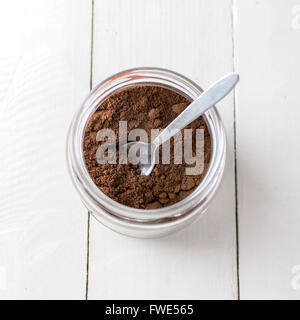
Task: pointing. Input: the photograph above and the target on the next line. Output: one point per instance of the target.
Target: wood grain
(267, 55)
(45, 72)
(199, 262)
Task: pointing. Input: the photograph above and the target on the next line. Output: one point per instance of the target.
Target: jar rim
(94, 198)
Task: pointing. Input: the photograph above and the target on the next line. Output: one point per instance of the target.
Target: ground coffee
(145, 107)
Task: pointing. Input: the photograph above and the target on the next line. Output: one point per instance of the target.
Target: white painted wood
(194, 38)
(44, 74)
(267, 49)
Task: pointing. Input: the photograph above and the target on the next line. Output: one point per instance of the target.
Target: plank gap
(233, 20)
(92, 45)
(89, 214)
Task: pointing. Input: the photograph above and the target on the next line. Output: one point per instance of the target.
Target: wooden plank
(45, 72)
(267, 53)
(200, 262)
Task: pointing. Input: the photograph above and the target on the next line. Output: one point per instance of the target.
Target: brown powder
(146, 107)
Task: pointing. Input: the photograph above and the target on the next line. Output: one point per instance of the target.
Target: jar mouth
(94, 198)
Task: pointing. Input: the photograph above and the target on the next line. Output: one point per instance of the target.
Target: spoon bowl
(143, 154)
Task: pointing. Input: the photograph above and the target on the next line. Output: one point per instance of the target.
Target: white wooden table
(53, 52)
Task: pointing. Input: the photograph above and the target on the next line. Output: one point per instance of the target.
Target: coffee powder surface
(145, 107)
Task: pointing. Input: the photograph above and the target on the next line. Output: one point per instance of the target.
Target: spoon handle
(208, 98)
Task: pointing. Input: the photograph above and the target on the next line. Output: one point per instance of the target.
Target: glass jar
(129, 221)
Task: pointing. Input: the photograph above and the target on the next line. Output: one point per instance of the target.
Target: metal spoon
(207, 99)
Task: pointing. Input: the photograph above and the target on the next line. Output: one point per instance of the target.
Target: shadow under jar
(144, 223)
